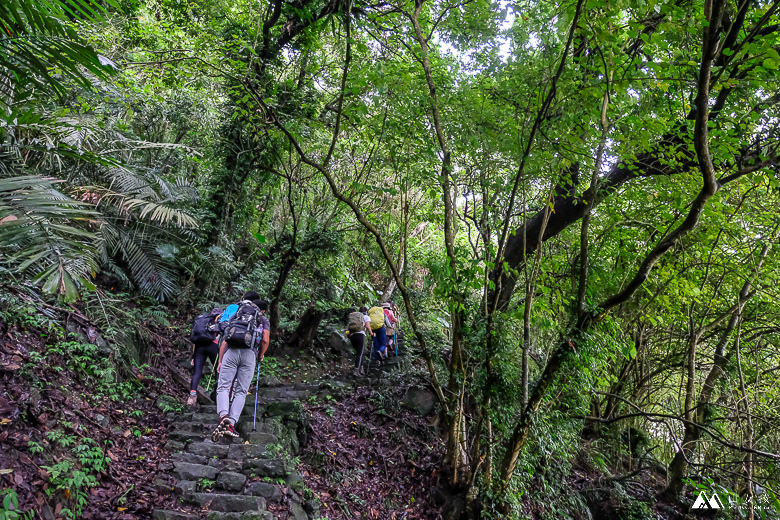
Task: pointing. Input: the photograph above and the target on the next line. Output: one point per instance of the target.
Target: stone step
(227, 503)
(270, 429)
(196, 426)
(185, 488)
(192, 437)
(259, 437)
(231, 481)
(274, 468)
(271, 492)
(211, 409)
(248, 451)
(231, 465)
(190, 471)
(192, 422)
(208, 449)
(189, 458)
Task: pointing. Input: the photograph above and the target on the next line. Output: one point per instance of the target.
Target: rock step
(185, 436)
(234, 450)
(196, 423)
(274, 468)
(203, 428)
(195, 437)
(195, 426)
(270, 492)
(262, 466)
(226, 503)
(190, 471)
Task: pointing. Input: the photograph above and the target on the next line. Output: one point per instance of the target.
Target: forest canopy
(576, 203)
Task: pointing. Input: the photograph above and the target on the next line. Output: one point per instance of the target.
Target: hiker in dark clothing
(358, 336)
(199, 355)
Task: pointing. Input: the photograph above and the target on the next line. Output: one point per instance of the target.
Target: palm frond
(40, 47)
(39, 238)
(147, 269)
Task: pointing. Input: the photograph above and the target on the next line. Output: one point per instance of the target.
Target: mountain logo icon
(703, 503)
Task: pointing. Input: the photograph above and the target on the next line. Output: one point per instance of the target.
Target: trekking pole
(257, 389)
(211, 374)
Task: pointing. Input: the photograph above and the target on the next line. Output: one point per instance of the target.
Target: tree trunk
(288, 261)
(679, 465)
(306, 331)
(391, 285)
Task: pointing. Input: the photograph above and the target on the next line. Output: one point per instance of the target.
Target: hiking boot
(224, 422)
(230, 431)
(192, 400)
(357, 372)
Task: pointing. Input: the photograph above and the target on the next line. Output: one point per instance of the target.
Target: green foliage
(204, 485)
(10, 507)
(41, 36)
(25, 314)
(67, 478)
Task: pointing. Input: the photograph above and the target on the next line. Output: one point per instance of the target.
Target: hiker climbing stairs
(239, 478)
(396, 355)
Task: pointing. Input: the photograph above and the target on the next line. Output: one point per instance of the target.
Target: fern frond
(39, 238)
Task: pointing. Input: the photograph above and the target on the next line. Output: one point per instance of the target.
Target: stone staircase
(393, 361)
(238, 478)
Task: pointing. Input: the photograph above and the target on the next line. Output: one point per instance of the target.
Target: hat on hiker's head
(252, 296)
(216, 310)
(386, 305)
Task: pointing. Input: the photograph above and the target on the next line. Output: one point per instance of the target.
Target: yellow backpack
(377, 316)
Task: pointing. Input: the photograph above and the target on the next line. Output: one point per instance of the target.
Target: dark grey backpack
(241, 328)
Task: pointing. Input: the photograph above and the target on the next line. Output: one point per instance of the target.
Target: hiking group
(380, 322)
(234, 341)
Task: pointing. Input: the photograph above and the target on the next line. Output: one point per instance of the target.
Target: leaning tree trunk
(306, 331)
(288, 261)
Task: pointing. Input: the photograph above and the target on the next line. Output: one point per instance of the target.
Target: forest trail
(252, 477)
(249, 477)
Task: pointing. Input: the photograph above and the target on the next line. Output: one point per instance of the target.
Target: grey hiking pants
(237, 363)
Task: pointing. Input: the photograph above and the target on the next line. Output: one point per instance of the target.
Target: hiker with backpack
(205, 341)
(246, 334)
(390, 323)
(359, 324)
(378, 326)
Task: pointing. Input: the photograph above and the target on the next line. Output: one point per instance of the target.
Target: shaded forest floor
(364, 461)
(71, 438)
